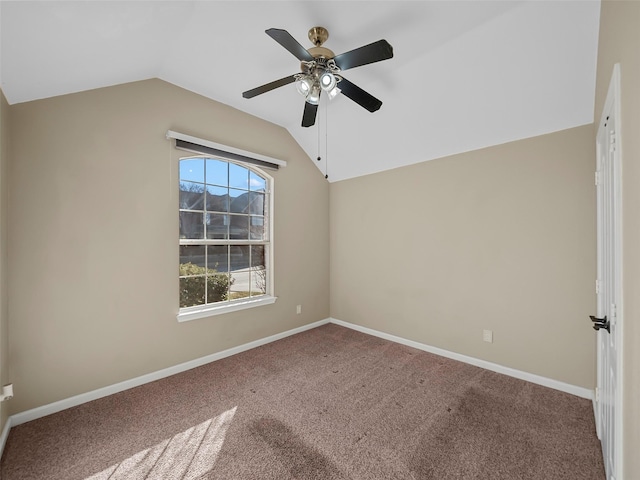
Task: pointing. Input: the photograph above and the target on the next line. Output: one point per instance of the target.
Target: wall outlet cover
(487, 336)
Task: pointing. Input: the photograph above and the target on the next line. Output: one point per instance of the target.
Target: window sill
(209, 311)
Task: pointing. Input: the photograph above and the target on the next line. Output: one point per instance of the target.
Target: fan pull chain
(326, 145)
(318, 122)
(318, 115)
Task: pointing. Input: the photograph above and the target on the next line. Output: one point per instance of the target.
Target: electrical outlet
(298, 309)
(487, 336)
(7, 392)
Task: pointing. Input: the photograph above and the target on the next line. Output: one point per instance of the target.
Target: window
(225, 244)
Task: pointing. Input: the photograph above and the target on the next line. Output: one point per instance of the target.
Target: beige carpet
(330, 403)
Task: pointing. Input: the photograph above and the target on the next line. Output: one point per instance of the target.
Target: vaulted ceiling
(465, 74)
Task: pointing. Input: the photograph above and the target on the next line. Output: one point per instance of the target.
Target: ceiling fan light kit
(319, 75)
(321, 71)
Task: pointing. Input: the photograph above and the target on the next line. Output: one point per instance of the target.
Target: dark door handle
(599, 323)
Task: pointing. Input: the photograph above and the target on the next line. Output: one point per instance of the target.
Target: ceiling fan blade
(309, 115)
(285, 39)
(269, 86)
(374, 52)
(359, 96)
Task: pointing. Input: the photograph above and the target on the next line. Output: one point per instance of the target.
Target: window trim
(202, 311)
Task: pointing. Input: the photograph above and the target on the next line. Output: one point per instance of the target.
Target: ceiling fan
(321, 71)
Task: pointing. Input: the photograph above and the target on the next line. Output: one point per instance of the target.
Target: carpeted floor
(329, 403)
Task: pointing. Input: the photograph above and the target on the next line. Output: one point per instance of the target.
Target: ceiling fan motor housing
(318, 52)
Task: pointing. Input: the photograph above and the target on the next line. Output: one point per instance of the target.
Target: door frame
(613, 105)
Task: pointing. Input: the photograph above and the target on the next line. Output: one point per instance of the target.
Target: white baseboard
(5, 434)
(512, 372)
(28, 415)
(58, 406)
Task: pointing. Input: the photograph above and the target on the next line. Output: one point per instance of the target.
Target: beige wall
(501, 238)
(93, 238)
(620, 43)
(4, 334)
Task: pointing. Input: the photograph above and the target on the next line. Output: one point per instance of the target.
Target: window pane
(217, 172)
(256, 203)
(258, 281)
(192, 169)
(239, 227)
(218, 258)
(239, 257)
(192, 261)
(217, 225)
(217, 287)
(238, 176)
(239, 201)
(217, 199)
(257, 256)
(240, 271)
(191, 196)
(191, 225)
(258, 270)
(257, 183)
(257, 229)
(191, 291)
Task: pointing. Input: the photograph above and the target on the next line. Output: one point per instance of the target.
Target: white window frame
(219, 308)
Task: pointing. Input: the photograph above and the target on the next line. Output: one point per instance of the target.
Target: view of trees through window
(224, 235)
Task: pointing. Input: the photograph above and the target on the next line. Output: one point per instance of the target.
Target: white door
(608, 321)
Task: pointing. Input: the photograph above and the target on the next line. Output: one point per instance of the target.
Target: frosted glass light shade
(327, 81)
(314, 95)
(304, 86)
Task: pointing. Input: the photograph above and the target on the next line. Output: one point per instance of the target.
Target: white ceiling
(465, 74)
